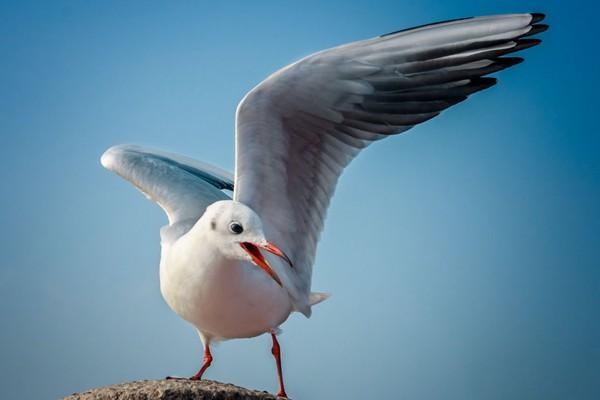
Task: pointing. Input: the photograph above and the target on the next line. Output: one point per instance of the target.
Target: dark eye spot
(236, 228)
(213, 225)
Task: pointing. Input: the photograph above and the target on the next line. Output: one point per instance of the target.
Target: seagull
(237, 253)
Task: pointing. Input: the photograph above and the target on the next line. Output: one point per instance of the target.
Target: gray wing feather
(183, 187)
(299, 128)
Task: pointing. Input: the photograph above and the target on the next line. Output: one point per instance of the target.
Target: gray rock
(171, 390)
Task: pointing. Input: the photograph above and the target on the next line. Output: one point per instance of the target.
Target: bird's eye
(236, 228)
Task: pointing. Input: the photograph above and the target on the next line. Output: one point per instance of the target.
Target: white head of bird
(237, 232)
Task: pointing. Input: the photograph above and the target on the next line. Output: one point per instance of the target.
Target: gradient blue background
(463, 256)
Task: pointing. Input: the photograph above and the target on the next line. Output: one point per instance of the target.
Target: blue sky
(463, 256)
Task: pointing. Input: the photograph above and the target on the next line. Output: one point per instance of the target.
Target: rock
(172, 390)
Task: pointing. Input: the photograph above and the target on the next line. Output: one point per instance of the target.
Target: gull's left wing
(181, 186)
(298, 129)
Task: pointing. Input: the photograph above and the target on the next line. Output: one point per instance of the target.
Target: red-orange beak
(259, 259)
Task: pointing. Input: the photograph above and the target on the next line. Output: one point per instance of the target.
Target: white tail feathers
(317, 297)
(313, 298)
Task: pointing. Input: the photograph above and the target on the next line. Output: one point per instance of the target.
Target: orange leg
(276, 350)
(207, 361)
(198, 376)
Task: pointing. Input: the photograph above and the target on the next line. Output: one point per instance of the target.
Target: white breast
(224, 299)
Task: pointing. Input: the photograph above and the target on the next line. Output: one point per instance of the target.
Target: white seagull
(295, 133)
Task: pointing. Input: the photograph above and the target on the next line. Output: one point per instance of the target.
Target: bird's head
(238, 233)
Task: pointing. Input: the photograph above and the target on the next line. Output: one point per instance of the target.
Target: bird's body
(295, 133)
(221, 297)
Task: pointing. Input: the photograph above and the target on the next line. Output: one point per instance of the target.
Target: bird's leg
(276, 350)
(207, 361)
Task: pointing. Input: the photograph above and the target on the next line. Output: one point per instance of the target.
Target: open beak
(257, 258)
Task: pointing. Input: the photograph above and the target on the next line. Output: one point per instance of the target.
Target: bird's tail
(317, 297)
(305, 308)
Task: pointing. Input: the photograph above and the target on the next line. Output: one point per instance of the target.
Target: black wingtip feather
(535, 29)
(523, 44)
(509, 61)
(537, 17)
(483, 82)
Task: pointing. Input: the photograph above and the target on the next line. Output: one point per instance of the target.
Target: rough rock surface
(171, 390)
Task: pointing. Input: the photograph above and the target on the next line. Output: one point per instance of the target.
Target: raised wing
(299, 128)
(183, 187)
